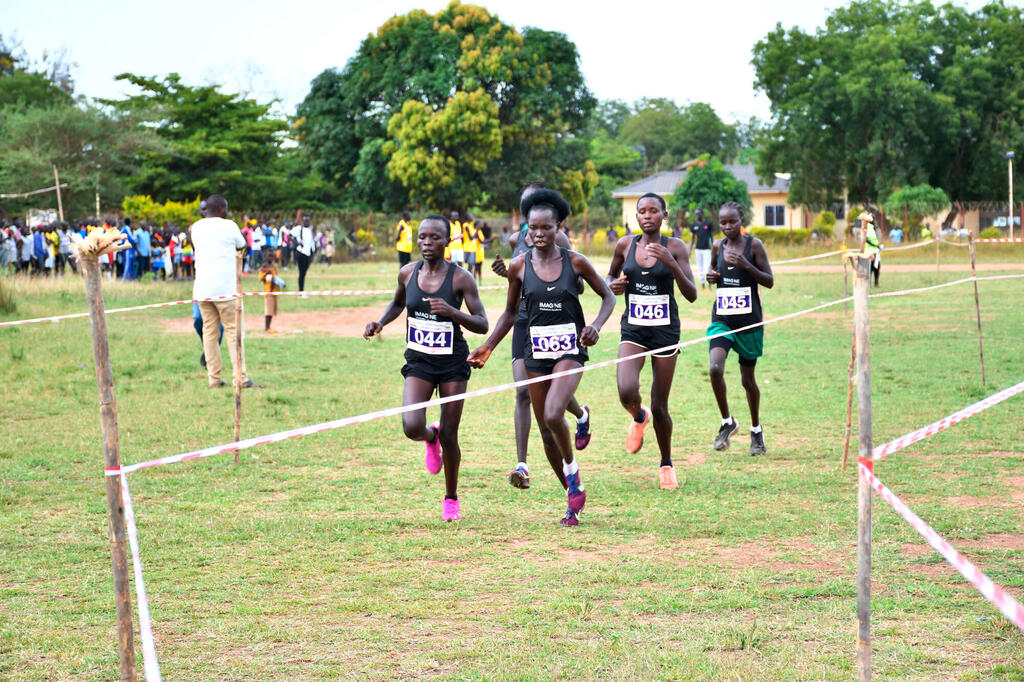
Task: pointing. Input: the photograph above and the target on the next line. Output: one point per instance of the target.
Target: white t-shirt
(304, 238)
(215, 241)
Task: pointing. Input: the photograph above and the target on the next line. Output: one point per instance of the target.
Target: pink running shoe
(450, 510)
(575, 492)
(570, 519)
(433, 458)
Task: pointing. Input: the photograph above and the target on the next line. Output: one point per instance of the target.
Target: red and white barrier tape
(944, 423)
(150, 662)
(886, 249)
(1015, 240)
(1006, 604)
(340, 292)
(394, 411)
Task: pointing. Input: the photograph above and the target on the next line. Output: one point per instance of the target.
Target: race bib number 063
(733, 301)
(553, 341)
(430, 336)
(648, 311)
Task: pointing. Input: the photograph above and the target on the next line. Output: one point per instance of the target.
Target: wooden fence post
(977, 307)
(862, 269)
(111, 460)
(60, 203)
(239, 329)
(849, 398)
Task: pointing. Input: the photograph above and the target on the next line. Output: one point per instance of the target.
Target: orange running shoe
(668, 478)
(635, 434)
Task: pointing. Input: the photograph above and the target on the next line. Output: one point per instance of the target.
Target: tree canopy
(507, 104)
(890, 94)
(708, 185)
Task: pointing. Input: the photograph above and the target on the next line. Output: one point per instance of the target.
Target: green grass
(325, 556)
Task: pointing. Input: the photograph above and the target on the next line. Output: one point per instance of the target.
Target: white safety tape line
(150, 663)
(797, 260)
(394, 411)
(946, 422)
(1006, 604)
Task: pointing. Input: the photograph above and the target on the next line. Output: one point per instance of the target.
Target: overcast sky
(686, 51)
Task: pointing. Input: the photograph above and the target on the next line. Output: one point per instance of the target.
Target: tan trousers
(216, 313)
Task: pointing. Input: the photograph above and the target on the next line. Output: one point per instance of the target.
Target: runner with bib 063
(431, 291)
(557, 336)
(739, 268)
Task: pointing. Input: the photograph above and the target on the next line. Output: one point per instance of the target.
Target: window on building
(775, 216)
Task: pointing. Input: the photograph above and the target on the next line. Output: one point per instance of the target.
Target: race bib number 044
(648, 311)
(553, 341)
(430, 336)
(733, 301)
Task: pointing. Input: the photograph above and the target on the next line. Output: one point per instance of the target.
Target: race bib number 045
(733, 301)
(648, 311)
(553, 341)
(430, 336)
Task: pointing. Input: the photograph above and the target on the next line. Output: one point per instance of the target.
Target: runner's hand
(618, 286)
(479, 357)
(713, 277)
(438, 306)
(589, 336)
(661, 253)
(372, 329)
(498, 267)
(737, 259)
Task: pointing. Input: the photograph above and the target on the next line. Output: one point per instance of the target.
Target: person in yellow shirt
(479, 241)
(469, 230)
(454, 251)
(403, 239)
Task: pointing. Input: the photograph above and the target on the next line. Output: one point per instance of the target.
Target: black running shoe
(757, 443)
(724, 433)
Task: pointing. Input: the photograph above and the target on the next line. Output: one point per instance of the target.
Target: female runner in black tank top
(431, 292)
(520, 476)
(652, 266)
(546, 275)
(739, 263)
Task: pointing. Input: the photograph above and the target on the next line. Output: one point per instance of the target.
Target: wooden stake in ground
(846, 287)
(862, 269)
(977, 307)
(849, 398)
(239, 329)
(89, 260)
(60, 204)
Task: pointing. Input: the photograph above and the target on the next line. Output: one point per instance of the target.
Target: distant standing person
(455, 250)
(304, 247)
(740, 268)
(701, 233)
(403, 239)
(216, 239)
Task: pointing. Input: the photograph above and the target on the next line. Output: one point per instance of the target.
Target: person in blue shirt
(896, 235)
(39, 251)
(128, 255)
(142, 247)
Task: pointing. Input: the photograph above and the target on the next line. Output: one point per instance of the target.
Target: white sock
(585, 417)
(570, 468)
(755, 429)
(522, 465)
(727, 420)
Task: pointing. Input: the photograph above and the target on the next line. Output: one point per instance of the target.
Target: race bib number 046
(553, 341)
(430, 336)
(733, 301)
(648, 311)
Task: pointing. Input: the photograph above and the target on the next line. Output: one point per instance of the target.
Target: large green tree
(670, 134)
(212, 141)
(889, 94)
(417, 66)
(708, 185)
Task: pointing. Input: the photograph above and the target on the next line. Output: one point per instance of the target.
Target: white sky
(685, 51)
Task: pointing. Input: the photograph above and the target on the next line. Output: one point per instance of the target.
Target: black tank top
(737, 301)
(434, 339)
(650, 299)
(553, 311)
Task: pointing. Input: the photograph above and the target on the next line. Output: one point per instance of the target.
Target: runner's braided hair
(740, 211)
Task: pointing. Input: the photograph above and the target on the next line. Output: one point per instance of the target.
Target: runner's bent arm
(713, 276)
(508, 316)
(679, 264)
(583, 268)
(760, 269)
(615, 282)
(476, 319)
(396, 306)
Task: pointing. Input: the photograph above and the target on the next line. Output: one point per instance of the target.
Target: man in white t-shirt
(216, 241)
(302, 236)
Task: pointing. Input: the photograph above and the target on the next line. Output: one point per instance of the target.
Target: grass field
(325, 556)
